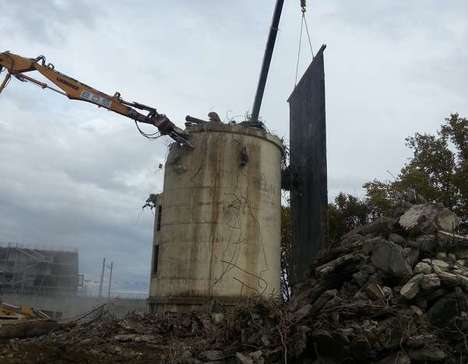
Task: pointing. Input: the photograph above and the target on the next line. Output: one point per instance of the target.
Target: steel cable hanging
(303, 23)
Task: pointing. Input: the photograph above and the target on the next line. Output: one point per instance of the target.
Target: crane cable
(303, 22)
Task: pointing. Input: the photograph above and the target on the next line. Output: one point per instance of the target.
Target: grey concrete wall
(220, 227)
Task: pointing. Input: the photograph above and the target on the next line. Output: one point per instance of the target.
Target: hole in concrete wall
(155, 258)
(158, 226)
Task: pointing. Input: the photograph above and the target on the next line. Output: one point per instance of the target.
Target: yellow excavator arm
(17, 66)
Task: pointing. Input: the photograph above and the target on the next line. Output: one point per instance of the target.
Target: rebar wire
(154, 135)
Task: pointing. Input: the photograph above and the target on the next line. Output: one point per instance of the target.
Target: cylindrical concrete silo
(220, 219)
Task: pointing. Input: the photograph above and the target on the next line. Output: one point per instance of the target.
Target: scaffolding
(32, 271)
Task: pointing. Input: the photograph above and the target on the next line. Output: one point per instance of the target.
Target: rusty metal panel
(308, 166)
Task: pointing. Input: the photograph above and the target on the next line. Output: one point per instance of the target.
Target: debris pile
(394, 291)
(24, 321)
(391, 292)
(21, 312)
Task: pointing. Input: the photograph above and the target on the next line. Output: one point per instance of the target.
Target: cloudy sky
(74, 176)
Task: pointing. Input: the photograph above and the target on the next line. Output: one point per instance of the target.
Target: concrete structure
(26, 270)
(218, 221)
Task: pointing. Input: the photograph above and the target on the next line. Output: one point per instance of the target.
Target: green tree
(346, 213)
(437, 172)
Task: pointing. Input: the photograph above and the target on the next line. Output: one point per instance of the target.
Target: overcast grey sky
(75, 176)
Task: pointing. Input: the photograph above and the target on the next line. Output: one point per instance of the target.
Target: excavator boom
(17, 66)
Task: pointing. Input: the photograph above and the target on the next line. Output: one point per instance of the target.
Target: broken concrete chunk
(423, 267)
(374, 291)
(388, 292)
(257, 355)
(447, 221)
(416, 310)
(461, 262)
(397, 358)
(427, 354)
(463, 282)
(439, 265)
(428, 218)
(430, 281)
(243, 359)
(448, 279)
(383, 225)
(397, 239)
(412, 287)
(326, 297)
(212, 355)
(419, 341)
(460, 272)
(389, 258)
(345, 263)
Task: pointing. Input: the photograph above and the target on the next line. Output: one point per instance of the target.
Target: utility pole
(101, 282)
(110, 279)
(267, 60)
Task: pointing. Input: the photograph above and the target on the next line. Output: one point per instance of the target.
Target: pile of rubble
(392, 292)
(25, 321)
(182, 338)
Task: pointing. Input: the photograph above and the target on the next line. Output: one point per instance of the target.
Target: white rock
(439, 265)
(243, 359)
(423, 267)
(411, 288)
(427, 218)
(388, 257)
(460, 262)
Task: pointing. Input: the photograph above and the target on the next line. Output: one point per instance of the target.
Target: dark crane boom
(267, 60)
